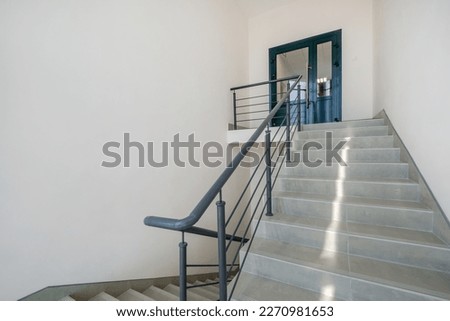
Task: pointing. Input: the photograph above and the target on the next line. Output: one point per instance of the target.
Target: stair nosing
(344, 128)
(369, 180)
(350, 201)
(364, 137)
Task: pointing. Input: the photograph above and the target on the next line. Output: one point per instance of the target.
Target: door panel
(318, 59)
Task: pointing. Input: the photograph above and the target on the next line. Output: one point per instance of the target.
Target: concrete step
(203, 291)
(158, 294)
(67, 298)
(351, 142)
(216, 281)
(393, 213)
(175, 290)
(344, 124)
(352, 170)
(351, 155)
(408, 247)
(393, 189)
(132, 295)
(212, 289)
(256, 288)
(343, 132)
(103, 296)
(343, 276)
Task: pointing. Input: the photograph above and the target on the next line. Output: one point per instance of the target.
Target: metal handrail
(184, 224)
(266, 82)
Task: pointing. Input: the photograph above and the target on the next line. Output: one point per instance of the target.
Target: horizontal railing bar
(264, 83)
(252, 97)
(204, 265)
(204, 284)
(195, 215)
(247, 120)
(210, 233)
(253, 112)
(253, 105)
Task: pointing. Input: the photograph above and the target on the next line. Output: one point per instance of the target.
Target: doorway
(319, 60)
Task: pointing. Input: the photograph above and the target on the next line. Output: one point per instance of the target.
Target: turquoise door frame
(317, 109)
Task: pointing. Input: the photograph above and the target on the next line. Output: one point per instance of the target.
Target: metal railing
(253, 202)
(254, 103)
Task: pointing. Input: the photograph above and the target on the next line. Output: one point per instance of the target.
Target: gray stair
(204, 291)
(160, 295)
(132, 295)
(103, 296)
(154, 293)
(344, 132)
(352, 170)
(393, 189)
(408, 247)
(393, 213)
(351, 142)
(356, 232)
(334, 274)
(191, 296)
(256, 288)
(354, 155)
(346, 124)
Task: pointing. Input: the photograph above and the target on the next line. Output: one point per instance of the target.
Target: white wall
(301, 19)
(412, 69)
(76, 74)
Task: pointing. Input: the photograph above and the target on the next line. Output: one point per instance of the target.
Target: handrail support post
(234, 110)
(268, 172)
(299, 106)
(183, 269)
(221, 241)
(288, 125)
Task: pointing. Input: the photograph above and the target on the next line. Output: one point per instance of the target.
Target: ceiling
(255, 7)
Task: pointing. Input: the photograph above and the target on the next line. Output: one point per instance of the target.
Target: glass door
(318, 59)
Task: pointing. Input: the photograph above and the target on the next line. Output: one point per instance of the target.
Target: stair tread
(133, 295)
(257, 288)
(343, 129)
(367, 230)
(204, 291)
(348, 138)
(356, 149)
(210, 288)
(103, 296)
(403, 181)
(159, 294)
(174, 289)
(67, 298)
(395, 275)
(345, 124)
(383, 203)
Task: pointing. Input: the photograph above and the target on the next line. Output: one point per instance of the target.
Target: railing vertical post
(234, 110)
(183, 269)
(221, 241)
(288, 125)
(268, 172)
(299, 107)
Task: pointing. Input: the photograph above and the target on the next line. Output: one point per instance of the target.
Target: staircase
(203, 292)
(356, 232)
